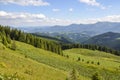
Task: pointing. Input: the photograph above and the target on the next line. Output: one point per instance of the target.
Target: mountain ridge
(109, 39)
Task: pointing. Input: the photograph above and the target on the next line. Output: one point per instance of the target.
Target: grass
(106, 60)
(12, 62)
(66, 64)
(30, 62)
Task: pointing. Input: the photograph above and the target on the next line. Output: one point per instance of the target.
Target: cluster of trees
(7, 34)
(91, 47)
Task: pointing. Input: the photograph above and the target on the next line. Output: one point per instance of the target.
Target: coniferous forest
(7, 34)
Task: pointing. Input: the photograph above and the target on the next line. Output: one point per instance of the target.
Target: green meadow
(30, 63)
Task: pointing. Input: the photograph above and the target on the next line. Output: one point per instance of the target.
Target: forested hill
(109, 39)
(7, 34)
(61, 39)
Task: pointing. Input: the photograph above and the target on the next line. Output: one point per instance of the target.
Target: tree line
(91, 47)
(7, 34)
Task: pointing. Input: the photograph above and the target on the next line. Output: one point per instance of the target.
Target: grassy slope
(12, 62)
(66, 64)
(41, 60)
(106, 60)
(109, 62)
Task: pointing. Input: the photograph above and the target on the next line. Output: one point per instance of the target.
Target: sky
(20, 13)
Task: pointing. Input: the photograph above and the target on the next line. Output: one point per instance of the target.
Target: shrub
(87, 62)
(92, 62)
(67, 56)
(78, 59)
(96, 76)
(98, 63)
(82, 60)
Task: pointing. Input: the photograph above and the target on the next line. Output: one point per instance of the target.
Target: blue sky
(57, 12)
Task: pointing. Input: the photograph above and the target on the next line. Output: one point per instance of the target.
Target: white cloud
(90, 2)
(28, 19)
(93, 3)
(26, 2)
(71, 9)
(55, 10)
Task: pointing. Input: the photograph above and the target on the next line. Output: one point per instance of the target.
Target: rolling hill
(30, 63)
(27, 57)
(109, 39)
(16, 66)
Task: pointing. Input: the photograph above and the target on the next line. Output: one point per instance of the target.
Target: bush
(67, 56)
(92, 62)
(78, 59)
(82, 60)
(87, 62)
(98, 63)
(96, 76)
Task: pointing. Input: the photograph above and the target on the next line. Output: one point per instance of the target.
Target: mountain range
(91, 29)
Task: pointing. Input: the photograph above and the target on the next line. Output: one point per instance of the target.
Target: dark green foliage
(67, 56)
(88, 62)
(92, 62)
(4, 41)
(82, 60)
(96, 76)
(98, 63)
(7, 34)
(78, 59)
(91, 47)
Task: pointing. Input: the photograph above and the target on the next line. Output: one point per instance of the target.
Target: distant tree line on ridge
(91, 47)
(7, 34)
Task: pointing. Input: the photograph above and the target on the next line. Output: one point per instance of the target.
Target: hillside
(57, 38)
(16, 65)
(109, 39)
(39, 60)
(25, 56)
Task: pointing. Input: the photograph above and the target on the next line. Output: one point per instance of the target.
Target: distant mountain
(109, 39)
(65, 37)
(91, 29)
(77, 33)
